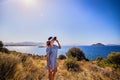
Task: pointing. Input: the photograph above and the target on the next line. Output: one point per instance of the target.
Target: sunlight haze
(74, 22)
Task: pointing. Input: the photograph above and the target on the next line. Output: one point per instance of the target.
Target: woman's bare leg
(54, 72)
(51, 76)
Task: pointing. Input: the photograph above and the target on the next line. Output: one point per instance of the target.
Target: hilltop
(98, 44)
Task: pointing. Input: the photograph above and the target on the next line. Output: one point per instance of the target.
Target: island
(98, 44)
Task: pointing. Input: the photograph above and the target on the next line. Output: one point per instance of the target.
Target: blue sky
(74, 22)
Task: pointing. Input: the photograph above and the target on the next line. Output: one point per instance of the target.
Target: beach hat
(50, 38)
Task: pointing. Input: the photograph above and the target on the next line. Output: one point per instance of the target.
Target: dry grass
(18, 66)
(89, 71)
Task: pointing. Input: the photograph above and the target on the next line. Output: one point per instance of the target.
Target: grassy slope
(89, 71)
(20, 66)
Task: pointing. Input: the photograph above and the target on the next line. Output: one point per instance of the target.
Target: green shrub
(113, 61)
(71, 64)
(103, 63)
(99, 59)
(61, 57)
(4, 50)
(114, 58)
(76, 53)
(1, 44)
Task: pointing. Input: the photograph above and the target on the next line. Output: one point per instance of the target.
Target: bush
(99, 59)
(4, 50)
(76, 53)
(72, 65)
(61, 57)
(114, 58)
(103, 63)
(1, 44)
(113, 61)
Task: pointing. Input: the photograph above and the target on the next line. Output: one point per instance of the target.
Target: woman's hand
(59, 46)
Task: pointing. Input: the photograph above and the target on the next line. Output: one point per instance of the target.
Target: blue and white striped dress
(52, 52)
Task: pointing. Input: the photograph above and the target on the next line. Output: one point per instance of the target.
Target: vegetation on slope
(112, 61)
(17, 66)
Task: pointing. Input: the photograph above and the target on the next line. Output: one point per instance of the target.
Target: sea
(91, 52)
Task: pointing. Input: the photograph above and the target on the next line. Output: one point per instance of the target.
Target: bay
(91, 52)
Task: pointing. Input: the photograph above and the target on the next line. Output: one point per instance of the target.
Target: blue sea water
(91, 52)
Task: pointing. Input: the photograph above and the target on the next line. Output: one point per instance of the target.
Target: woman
(52, 56)
(47, 57)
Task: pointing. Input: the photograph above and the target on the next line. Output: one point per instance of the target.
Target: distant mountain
(98, 44)
(24, 44)
(113, 44)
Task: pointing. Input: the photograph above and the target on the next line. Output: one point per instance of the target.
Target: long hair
(48, 43)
